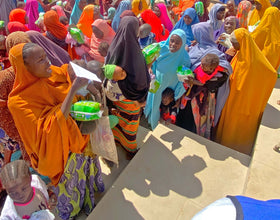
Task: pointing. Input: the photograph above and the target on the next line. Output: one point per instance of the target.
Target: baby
(146, 37)
(168, 110)
(27, 194)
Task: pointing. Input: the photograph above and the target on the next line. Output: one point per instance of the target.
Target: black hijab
(125, 52)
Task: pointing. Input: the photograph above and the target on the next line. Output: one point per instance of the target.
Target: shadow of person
(271, 117)
(174, 139)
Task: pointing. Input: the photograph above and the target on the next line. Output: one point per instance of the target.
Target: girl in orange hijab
(102, 32)
(56, 31)
(88, 16)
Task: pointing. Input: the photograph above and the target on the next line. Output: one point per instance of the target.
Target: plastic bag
(77, 35)
(184, 73)
(151, 52)
(2, 24)
(199, 8)
(102, 140)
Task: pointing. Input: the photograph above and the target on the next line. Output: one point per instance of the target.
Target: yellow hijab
(257, 15)
(267, 36)
(35, 106)
(251, 84)
(137, 8)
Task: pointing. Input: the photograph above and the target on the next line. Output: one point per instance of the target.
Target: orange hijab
(35, 106)
(17, 15)
(51, 21)
(108, 36)
(86, 19)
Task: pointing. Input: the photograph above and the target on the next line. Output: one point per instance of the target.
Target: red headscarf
(17, 15)
(51, 21)
(16, 26)
(150, 18)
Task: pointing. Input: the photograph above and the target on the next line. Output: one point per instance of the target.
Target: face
(157, 11)
(258, 6)
(220, 15)
(96, 13)
(37, 63)
(230, 6)
(166, 100)
(187, 20)
(20, 190)
(119, 74)
(175, 43)
(97, 32)
(2, 45)
(208, 68)
(82, 4)
(229, 26)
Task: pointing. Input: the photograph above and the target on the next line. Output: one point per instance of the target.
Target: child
(4, 59)
(231, 10)
(27, 193)
(21, 4)
(103, 49)
(168, 110)
(146, 37)
(64, 20)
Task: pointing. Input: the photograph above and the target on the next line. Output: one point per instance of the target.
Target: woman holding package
(50, 128)
(242, 113)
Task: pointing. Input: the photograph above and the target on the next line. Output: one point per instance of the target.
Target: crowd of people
(229, 52)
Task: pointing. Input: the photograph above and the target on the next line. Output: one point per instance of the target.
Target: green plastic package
(199, 8)
(86, 111)
(77, 35)
(151, 52)
(183, 73)
(154, 86)
(2, 24)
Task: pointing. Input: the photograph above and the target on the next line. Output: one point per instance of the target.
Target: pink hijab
(165, 20)
(59, 10)
(32, 13)
(108, 36)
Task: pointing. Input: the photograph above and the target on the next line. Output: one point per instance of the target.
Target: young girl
(168, 109)
(27, 193)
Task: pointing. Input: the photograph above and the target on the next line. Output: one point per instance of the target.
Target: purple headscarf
(165, 20)
(32, 13)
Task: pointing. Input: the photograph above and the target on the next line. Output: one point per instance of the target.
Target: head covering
(165, 68)
(16, 26)
(53, 25)
(86, 20)
(216, 24)
(125, 52)
(109, 70)
(32, 13)
(183, 5)
(111, 13)
(76, 13)
(6, 6)
(124, 5)
(137, 8)
(150, 18)
(18, 15)
(127, 13)
(165, 20)
(205, 16)
(257, 15)
(243, 10)
(56, 54)
(243, 111)
(187, 28)
(36, 103)
(267, 36)
(16, 38)
(222, 29)
(203, 34)
(108, 36)
(59, 10)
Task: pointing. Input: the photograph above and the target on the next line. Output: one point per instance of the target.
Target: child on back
(231, 10)
(146, 37)
(168, 109)
(27, 194)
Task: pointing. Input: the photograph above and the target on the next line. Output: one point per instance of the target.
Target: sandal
(277, 148)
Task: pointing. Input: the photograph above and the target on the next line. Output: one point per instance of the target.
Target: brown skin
(119, 74)
(209, 69)
(230, 6)
(258, 5)
(97, 32)
(175, 43)
(220, 15)
(187, 20)
(82, 4)
(157, 11)
(96, 13)
(229, 25)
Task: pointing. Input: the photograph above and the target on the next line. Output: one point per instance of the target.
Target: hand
(163, 29)
(150, 64)
(52, 201)
(79, 82)
(189, 81)
(193, 43)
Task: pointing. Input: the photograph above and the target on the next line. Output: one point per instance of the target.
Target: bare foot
(277, 148)
(278, 102)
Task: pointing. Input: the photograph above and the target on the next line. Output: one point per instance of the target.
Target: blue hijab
(187, 28)
(165, 69)
(76, 13)
(124, 5)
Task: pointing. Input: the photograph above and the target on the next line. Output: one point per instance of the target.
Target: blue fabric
(76, 13)
(40, 8)
(144, 42)
(187, 28)
(124, 5)
(165, 70)
(257, 209)
(216, 24)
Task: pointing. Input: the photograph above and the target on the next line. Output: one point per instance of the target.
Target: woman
(243, 10)
(18, 15)
(161, 11)
(77, 11)
(216, 15)
(59, 10)
(124, 5)
(16, 26)
(56, 31)
(251, 84)
(102, 32)
(267, 36)
(188, 117)
(183, 5)
(188, 19)
(89, 15)
(172, 55)
(32, 13)
(149, 17)
(125, 52)
(258, 12)
(138, 6)
(205, 16)
(230, 24)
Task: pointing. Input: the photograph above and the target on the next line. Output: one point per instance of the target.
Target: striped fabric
(125, 132)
